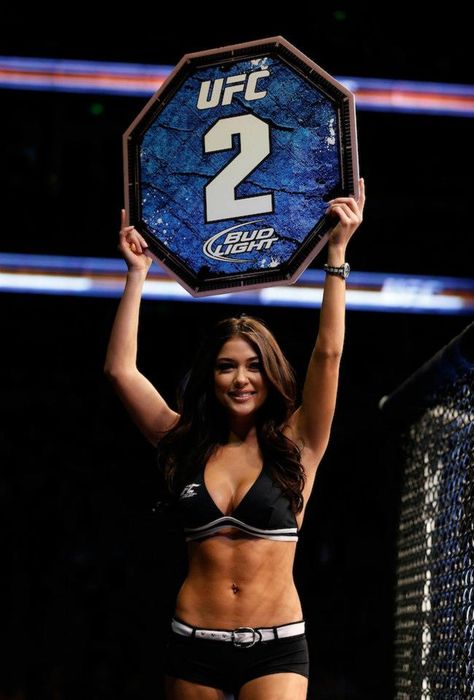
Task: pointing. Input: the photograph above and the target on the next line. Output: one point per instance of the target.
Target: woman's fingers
(348, 205)
(133, 246)
(134, 243)
(361, 199)
(350, 201)
(356, 205)
(130, 237)
(347, 213)
(339, 209)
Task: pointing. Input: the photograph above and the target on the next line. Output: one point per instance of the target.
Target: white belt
(241, 636)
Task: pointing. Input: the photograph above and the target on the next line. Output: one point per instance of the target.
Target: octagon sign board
(230, 165)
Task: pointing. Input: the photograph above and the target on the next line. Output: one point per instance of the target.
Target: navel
(235, 588)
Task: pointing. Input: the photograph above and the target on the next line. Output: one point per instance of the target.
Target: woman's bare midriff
(235, 580)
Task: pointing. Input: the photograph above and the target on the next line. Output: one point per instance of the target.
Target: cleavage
(218, 499)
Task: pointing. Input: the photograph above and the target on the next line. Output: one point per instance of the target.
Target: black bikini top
(264, 511)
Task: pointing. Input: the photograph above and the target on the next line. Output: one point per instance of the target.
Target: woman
(241, 463)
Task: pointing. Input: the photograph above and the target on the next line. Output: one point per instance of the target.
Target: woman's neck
(239, 435)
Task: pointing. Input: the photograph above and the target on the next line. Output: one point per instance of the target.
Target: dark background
(90, 577)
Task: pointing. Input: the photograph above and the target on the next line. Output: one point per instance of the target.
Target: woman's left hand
(350, 214)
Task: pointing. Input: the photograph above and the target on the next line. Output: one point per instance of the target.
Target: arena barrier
(433, 413)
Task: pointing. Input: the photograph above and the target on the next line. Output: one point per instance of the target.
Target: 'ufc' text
(223, 89)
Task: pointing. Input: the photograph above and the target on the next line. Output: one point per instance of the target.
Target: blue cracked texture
(302, 168)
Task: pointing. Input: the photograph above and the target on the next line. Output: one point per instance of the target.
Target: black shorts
(220, 664)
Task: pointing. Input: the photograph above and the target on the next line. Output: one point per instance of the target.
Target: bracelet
(342, 271)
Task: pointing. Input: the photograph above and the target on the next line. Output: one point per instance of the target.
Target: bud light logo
(227, 245)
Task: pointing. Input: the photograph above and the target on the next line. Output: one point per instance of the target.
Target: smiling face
(240, 385)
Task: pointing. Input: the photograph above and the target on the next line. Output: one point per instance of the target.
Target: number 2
(221, 202)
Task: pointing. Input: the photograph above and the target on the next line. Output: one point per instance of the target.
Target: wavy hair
(203, 425)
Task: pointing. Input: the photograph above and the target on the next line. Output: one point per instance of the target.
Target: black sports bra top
(264, 511)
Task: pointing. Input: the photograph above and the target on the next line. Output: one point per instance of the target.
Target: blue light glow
(366, 291)
(128, 79)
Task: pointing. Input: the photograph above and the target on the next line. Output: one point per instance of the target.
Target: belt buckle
(245, 645)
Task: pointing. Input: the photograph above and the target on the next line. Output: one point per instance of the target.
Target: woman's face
(240, 385)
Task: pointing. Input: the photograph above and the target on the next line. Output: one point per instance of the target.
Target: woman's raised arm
(146, 406)
(311, 423)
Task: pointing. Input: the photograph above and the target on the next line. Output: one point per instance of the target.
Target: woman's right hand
(133, 247)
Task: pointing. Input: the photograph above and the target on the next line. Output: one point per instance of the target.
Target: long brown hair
(202, 426)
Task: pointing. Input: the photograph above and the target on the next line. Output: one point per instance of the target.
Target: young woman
(240, 462)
